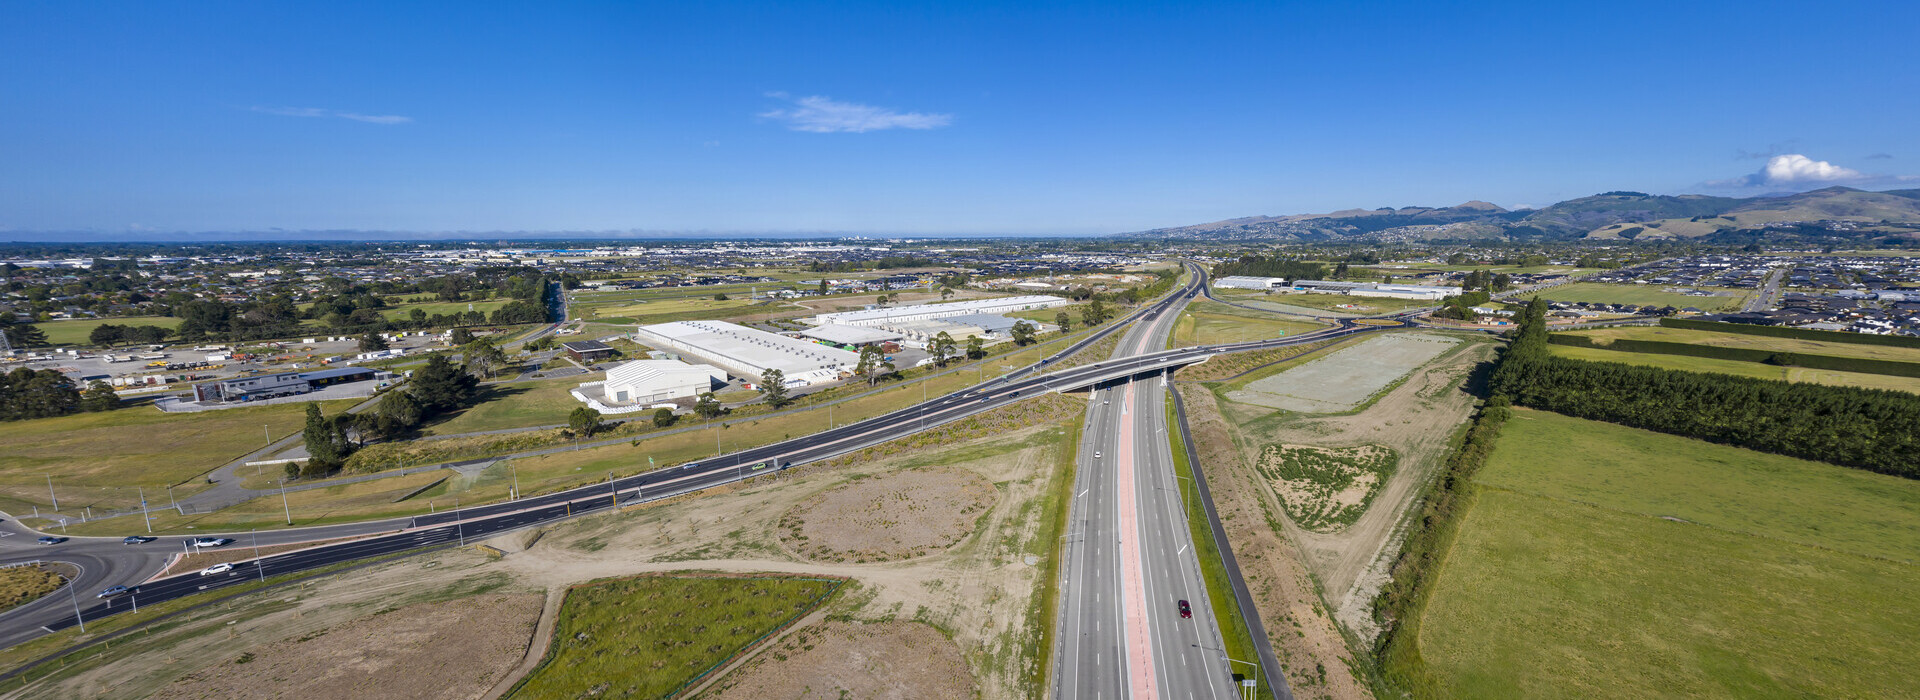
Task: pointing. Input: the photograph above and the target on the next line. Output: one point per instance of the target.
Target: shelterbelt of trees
(354, 309)
(1870, 429)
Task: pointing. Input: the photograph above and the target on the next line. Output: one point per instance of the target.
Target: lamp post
(71, 583)
(283, 501)
(258, 565)
(1256, 674)
(56, 499)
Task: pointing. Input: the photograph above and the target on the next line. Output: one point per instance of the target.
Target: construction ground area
(945, 606)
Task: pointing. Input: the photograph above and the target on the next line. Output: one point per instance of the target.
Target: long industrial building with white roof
(748, 353)
(922, 312)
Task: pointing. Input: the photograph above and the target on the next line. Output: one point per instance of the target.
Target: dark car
(136, 539)
(51, 540)
(1185, 610)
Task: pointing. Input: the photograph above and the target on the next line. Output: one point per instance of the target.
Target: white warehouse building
(651, 381)
(748, 353)
(1249, 283)
(923, 312)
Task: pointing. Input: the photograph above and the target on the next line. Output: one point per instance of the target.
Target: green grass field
(1741, 369)
(666, 310)
(1212, 323)
(1604, 561)
(651, 635)
(76, 332)
(405, 311)
(1639, 294)
(98, 458)
(1342, 303)
(517, 405)
(1752, 342)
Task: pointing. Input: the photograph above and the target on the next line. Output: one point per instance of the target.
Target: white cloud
(1794, 169)
(824, 115)
(317, 112)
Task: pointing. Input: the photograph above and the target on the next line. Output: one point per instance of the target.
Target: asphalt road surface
(1129, 557)
(107, 562)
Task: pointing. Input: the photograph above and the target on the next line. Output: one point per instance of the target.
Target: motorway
(1129, 556)
(106, 562)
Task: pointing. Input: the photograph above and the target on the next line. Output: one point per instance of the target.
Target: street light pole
(283, 501)
(56, 499)
(143, 510)
(71, 583)
(258, 565)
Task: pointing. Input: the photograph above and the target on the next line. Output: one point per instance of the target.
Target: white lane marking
(1183, 549)
(1083, 493)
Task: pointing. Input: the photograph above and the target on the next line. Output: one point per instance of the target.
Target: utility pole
(143, 510)
(71, 583)
(516, 479)
(56, 499)
(283, 501)
(258, 565)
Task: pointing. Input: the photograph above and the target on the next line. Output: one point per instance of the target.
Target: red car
(1185, 610)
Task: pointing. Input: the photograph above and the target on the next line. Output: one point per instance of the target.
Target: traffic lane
(194, 582)
(488, 518)
(1102, 671)
(1188, 642)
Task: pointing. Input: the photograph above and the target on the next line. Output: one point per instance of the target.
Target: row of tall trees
(1870, 429)
(107, 335)
(1285, 266)
(29, 393)
(438, 388)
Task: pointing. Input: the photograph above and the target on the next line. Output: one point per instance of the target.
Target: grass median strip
(1226, 607)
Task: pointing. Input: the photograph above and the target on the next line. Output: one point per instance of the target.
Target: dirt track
(896, 660)
(1415, 419)
(455, 649)
(978, 593)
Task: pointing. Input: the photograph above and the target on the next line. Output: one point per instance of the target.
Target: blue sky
(888, 118)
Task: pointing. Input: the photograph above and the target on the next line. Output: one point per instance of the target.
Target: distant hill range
(1834, 214)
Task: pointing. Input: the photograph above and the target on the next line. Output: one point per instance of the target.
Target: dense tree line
(107, 335)
(1899, 341)
(1283, 266)
(439, 388)
(28, 393)
(351, 309)
(1837, 363)
(1871, 429)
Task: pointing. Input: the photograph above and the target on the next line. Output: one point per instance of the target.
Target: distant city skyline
(740, 119)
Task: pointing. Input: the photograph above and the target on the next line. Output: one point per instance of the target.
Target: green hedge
(1863, 365)
(1898, 341)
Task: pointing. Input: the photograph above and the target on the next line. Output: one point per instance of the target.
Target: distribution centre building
(650, 381)
(748, 353)
(922, 312)
(1241, 282)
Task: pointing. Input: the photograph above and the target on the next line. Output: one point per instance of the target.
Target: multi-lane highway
(1129, 556)
(106, 562)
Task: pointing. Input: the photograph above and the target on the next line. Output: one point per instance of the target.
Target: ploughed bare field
(1346, 378)
(899, 516)
(895, 660)
(452, 649)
